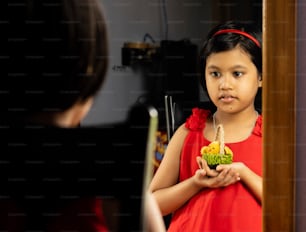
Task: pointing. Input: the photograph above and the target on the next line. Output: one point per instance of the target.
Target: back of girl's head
(245, 35)
(58, 54)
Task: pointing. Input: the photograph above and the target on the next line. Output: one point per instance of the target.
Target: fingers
(200, 172)
(228, 176)
(199, 162)
(224, 175)
(203, 165)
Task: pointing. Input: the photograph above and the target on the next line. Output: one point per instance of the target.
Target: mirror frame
(279, 114)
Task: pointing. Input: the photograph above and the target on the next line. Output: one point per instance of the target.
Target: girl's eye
(215, 74)
(237, 74)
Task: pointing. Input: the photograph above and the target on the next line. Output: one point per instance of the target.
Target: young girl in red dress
(228, 198)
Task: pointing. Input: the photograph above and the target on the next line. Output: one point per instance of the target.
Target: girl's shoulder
(258, 126)
(197, 119)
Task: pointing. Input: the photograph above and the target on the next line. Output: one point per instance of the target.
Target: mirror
(278, 20)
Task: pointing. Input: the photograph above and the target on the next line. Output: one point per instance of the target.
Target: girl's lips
(227, 99)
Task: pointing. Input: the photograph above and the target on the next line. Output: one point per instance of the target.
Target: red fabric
(84, 215)
(230, 209)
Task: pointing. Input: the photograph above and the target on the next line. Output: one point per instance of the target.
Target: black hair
(227, 41)
(58, 54)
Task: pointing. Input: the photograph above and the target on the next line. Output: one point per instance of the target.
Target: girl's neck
(237, 127)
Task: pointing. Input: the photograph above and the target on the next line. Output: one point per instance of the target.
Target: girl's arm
(169, 194)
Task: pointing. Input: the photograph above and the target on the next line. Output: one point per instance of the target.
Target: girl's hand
(223, 176)
(228, 175)
(203, 165)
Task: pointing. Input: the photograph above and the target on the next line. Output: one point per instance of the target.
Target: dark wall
(246, 10)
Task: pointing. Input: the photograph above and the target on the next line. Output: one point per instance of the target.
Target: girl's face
(232, 80)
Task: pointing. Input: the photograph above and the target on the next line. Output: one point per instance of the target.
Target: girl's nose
(225, 82)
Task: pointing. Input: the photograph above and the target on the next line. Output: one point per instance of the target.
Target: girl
(57, 63)
(228, 198)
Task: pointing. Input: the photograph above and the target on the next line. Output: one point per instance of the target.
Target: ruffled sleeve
(257, 129)
(196, 121)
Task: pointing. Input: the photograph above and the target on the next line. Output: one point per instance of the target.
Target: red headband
(238, 32)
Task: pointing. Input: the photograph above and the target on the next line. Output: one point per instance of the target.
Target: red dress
(231, 208)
